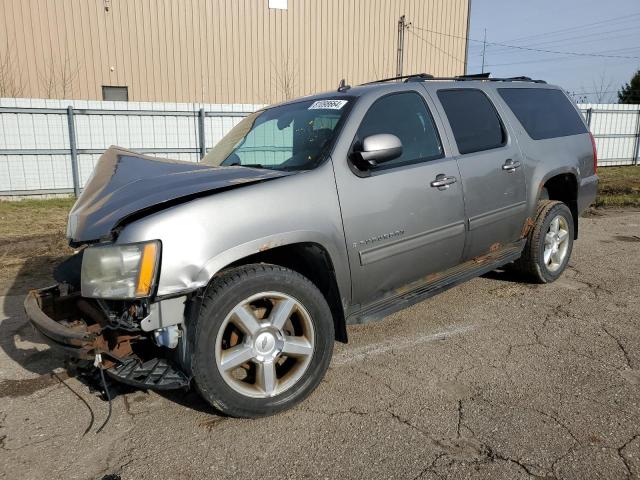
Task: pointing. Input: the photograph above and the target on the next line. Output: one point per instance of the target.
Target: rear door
(399, 225)
(491, 167)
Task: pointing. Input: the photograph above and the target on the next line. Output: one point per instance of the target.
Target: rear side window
(404, 115)
(544, 113)
(474, 120)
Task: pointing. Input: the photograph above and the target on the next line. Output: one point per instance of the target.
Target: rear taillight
(595, 153)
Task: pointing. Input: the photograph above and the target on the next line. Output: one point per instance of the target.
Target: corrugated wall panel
(224, 51)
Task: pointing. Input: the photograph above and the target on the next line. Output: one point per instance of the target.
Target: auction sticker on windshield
(328, 104)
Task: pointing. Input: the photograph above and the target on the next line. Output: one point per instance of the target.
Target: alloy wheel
(556, 243)
(265, 345)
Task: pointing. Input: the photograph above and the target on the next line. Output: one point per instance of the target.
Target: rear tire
(262, 340)
(549, 243)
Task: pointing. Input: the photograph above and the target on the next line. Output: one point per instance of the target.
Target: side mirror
(378, 149)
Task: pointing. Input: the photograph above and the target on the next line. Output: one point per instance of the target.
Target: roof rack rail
(483, 77)
(417, 76)
(478, 76)
(486, 78)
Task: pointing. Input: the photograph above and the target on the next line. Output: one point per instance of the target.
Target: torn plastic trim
(165, 313)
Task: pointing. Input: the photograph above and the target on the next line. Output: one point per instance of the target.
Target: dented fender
(203, 236)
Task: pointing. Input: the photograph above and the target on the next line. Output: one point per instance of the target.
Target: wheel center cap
(265, 343)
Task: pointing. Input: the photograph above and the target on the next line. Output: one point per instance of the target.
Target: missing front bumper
(74, 339)
(69, 323)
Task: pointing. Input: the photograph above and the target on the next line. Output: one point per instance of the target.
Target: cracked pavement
(492, 379)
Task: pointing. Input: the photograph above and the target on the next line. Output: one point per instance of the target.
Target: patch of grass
(32, 241)
(619, 187)
(33, 217)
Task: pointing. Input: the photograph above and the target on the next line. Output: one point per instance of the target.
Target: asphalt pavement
(492, 379)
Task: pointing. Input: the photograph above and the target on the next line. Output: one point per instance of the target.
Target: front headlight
(120, 271)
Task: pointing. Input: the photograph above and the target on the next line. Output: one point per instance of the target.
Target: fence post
(636, 148)
(589, 112)
(201, 139)
(74, 151)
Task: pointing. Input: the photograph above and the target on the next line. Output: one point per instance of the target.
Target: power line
(566, 66)
(580, 54)
(547, 59)
(577, 34)
(591, 36)
(434, 46)
(565, 44)
(587, 38)
(604, 91)
(543, 60)
(506, 52)
(621, 19)
(540, 60)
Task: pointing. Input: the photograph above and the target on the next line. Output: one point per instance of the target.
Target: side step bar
(433, 284)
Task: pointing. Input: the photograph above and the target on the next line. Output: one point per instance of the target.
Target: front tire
(262, 341)
(549, 243)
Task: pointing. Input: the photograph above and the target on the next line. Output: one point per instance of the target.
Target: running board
(433, 284)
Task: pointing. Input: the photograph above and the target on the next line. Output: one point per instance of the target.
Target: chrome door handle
(442, 182)
(510, 165)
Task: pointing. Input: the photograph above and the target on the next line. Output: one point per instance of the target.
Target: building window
(115, 94)
(278, 4)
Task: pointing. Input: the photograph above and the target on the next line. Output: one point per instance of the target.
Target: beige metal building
(220, 51)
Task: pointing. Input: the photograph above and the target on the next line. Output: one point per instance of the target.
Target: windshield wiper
(250, 165)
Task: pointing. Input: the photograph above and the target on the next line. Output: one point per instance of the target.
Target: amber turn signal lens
(147, 269)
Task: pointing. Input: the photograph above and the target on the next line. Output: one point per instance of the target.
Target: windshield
(290, 137)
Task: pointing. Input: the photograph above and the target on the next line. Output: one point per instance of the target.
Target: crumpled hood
(124, 183)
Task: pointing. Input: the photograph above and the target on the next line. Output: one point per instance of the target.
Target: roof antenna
(343, 87)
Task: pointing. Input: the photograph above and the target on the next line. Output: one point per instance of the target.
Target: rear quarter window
(543, 112)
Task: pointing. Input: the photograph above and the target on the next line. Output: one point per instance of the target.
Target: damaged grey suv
(236, 275)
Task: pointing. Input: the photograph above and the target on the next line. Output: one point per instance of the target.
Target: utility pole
(401, 27)
(484, 47)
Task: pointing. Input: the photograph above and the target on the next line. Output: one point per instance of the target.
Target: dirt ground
(32, 241)
(492, 379)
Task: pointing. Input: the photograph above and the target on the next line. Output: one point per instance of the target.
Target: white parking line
(360, 353)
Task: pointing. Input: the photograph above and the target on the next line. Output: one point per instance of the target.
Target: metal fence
(616, 129)
(51, 146)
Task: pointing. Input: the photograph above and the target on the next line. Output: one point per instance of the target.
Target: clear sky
(604, 27)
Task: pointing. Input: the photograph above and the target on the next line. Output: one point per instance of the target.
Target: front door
(403, 219)
(491, 167)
